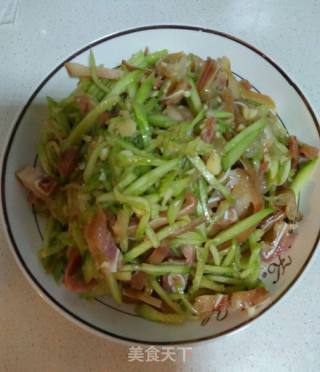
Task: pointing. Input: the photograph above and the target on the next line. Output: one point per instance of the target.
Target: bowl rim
(44, 294)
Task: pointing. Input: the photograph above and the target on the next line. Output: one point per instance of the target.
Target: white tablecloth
(33, 337)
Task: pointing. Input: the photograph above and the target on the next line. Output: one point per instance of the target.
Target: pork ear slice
(78, 70)
(100, 242)
(189, 252)
(294, 151)
(204, 305)
(142, 297)
(139, 280)
(246, 299)
(308, 151)
(70, 280)
(68, 161)
(36, 182)
(208, 131)
(159, 254)
(208, 73)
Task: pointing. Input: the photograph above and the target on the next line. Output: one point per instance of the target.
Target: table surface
(33, 336)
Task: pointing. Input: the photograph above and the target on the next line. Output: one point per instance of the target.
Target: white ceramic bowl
(24, 229)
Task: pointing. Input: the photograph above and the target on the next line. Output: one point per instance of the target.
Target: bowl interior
(24, 229)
